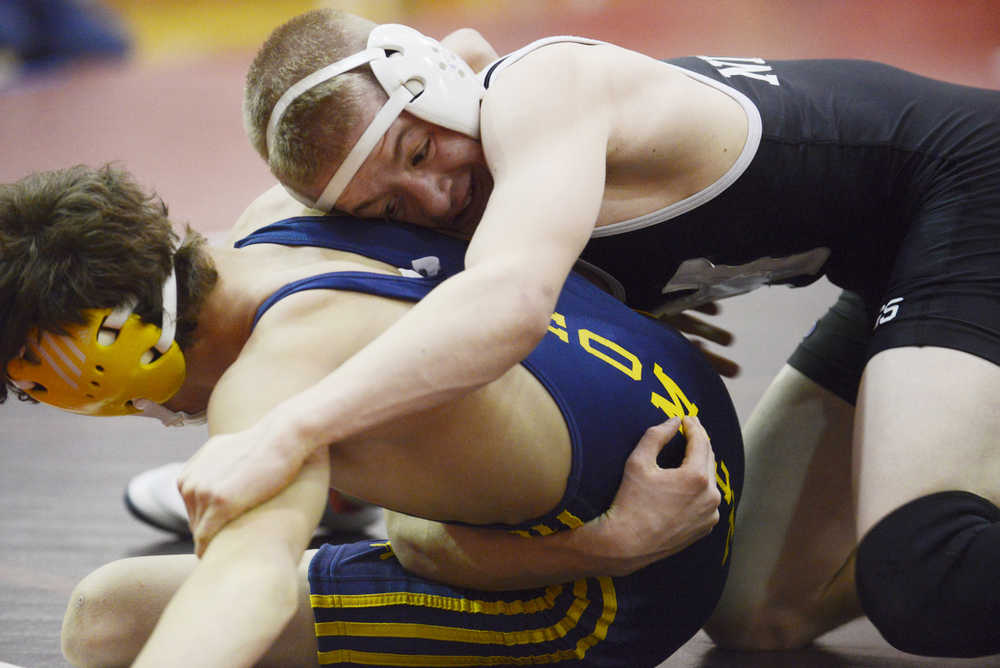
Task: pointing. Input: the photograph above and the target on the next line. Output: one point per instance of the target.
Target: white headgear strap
(417, 73)
(168, 329)
(116, 319)
(311, 81)
(368, 139)
(360, 151)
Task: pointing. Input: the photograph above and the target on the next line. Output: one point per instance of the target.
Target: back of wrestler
(540, 450)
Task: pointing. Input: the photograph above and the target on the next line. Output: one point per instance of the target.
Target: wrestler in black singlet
(885, 181)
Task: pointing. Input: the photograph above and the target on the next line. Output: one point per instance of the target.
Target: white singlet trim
(754, 132)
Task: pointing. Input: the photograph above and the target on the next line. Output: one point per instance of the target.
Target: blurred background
(156, 85)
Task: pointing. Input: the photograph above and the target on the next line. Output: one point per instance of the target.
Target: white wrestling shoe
(152, 497)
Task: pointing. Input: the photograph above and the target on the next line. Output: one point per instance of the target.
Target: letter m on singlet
(754, 68)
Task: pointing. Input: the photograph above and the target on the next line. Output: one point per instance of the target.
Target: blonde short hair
(313, 133)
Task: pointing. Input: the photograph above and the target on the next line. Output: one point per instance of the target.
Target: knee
(97, 630)
(765, 630)
(927, 576)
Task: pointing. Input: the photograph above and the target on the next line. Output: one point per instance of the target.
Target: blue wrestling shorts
(369, 611)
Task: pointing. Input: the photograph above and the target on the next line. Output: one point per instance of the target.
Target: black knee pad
(928, 576)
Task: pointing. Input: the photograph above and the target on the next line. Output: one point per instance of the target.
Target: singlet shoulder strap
(511, 58)
(383, 285)
(393, 243)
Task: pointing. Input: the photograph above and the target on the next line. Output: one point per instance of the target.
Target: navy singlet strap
(381, 240)
(383, 285)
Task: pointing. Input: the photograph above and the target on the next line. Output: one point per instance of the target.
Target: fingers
(653, 440)
(698, 327)
(723, 366)
(708, 308)
(698, 453)
(203, 513)
(205, 531)
(700, 457)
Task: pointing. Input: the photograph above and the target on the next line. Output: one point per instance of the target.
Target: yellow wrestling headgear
(106, 365)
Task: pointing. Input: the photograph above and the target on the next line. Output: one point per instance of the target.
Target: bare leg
(928, 484)
(928, 420)
(114, 609)
(795, 525)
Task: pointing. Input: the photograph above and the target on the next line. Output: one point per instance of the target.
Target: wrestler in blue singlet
(613, 373)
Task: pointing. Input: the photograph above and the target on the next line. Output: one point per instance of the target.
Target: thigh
(795, 523)
(928, 420)
(118, 606)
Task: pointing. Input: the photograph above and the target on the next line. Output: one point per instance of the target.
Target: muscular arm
(549, 179)
(649, 519)
(245, 589)
(247, 580)
(478, 324)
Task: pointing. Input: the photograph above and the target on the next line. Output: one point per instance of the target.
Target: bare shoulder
(296, 343)
(471, 46)
(273, 204)
(564, 84)
(588, 71)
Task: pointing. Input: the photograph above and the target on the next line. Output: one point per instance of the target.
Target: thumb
(652, 442)
(203, 534)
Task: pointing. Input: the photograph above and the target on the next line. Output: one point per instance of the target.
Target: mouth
(473, 205)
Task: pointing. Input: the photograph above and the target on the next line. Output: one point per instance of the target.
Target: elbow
(508, 308)
(531, 326)
(531, 314)
(412, 554)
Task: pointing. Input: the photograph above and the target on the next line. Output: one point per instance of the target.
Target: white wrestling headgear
(418, 74)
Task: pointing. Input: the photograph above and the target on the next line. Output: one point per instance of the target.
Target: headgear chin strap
(417, 73)
(108, 364)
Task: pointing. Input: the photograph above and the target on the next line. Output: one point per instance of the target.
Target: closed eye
(421, 153)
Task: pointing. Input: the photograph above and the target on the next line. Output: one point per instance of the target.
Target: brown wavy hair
(83, 238)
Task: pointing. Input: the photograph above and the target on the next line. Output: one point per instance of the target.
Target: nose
(432, 195)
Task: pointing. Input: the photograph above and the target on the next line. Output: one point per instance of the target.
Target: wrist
(289, 432)
(609, 548)
(594, 548)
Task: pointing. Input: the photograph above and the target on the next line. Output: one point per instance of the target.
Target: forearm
(228, 612)
(467, 332)
(496, 560)
(245, 588)
(656, 513)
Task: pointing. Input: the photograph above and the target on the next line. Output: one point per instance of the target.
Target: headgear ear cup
(450, 92)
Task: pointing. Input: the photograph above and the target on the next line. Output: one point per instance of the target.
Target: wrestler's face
(423, 174)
